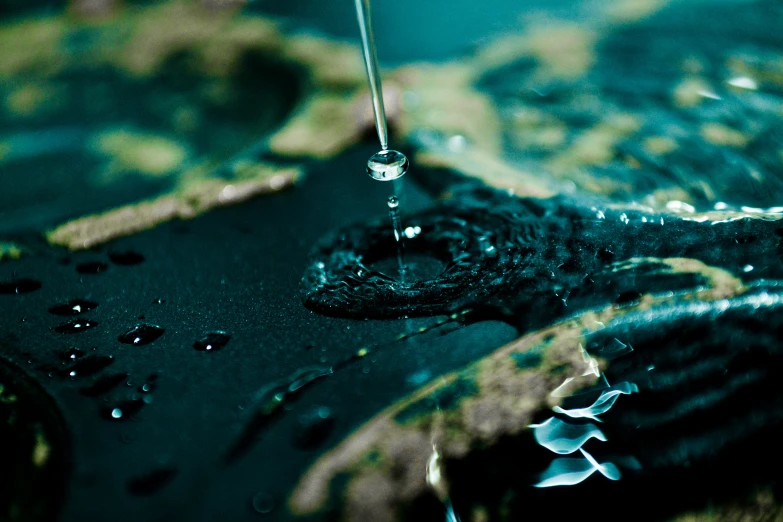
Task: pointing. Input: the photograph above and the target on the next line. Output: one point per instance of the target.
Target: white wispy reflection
(571, 471)
(563, 438)
(602, 404)
(451, 515)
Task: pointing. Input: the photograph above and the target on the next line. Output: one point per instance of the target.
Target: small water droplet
(263, 503)
(92, 267)
(73, 307)
(19, 286)
(70, 354)
(411, 232)
(75, 326)
(387, 165)
(127, 258)
(123, 410)
(141, 334)
(89, 365)
(486, 245)
(212, 341)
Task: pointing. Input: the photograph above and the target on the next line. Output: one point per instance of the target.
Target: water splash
(570, 471)
(602, 404)
(564, 438)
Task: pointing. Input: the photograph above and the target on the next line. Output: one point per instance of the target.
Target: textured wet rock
(693, 363)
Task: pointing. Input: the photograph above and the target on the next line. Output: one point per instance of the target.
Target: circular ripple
(464, 255)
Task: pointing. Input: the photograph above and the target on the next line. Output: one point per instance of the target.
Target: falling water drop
(394, 214)
(387, 165)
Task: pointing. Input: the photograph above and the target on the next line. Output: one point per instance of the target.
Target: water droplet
(263, 503)
(70, 354)
(387, 165)
(313, 427)
(126, 258)
(411, 232)
(73, 307)
(212, 341)
(75, 326)
(486, 245)
(89, 365)
(92, 267)
(19, 286)
(141, 334)
(123, 410)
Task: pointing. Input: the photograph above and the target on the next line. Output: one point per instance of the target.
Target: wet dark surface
(203, 402)
(196, 370)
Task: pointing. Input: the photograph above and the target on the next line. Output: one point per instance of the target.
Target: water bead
(387, 165)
